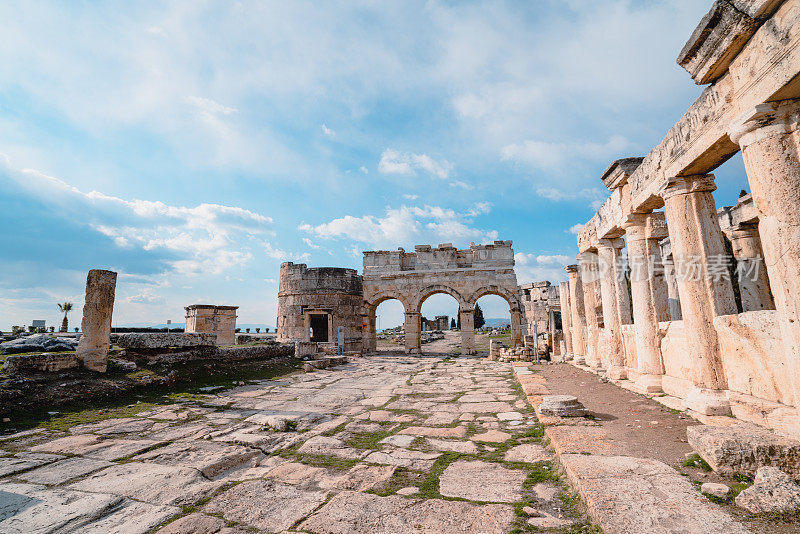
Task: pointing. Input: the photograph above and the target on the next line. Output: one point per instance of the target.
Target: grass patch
(92, 415)
(367, 440)
(429, 489)
(698, 463)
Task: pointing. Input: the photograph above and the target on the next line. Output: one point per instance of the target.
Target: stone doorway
(319, 327)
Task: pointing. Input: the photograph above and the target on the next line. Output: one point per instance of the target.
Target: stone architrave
(704, 284)
(578, 314)
(770, 141)
(751, 273)
(610, 252)
(645, 319)
(96, 323)
(588, 266)
(566, 318)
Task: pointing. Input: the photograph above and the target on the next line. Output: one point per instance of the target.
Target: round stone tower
(314, 303)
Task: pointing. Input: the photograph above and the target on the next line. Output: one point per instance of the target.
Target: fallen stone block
(163, 340)
(720, 491)
(47, 361)
(772, 491)
(743, 448)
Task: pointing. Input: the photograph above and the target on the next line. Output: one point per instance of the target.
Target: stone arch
(369, 330)
(433, 290)
(378, 298)
(514, 308)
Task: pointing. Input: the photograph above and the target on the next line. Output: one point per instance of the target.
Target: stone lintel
(744, 213)
(616, 175)
(717, 40)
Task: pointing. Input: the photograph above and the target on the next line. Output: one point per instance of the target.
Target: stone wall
(331, 294)
(219, 320)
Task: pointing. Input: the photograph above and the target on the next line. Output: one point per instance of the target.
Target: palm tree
(66, 308)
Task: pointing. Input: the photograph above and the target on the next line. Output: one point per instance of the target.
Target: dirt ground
(643, 428)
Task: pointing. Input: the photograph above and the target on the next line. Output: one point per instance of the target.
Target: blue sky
(194, 146)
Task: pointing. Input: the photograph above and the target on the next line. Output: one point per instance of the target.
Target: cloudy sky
(193, 146)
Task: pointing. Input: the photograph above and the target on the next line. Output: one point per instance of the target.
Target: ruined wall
(326, 291)
(209, 319)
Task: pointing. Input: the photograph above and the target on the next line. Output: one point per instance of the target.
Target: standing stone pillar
(588, 274)
(467, 317)
(610, 254)
(645, 320)
(673, 296)
(412, 330)
(96, 323)
(751, 272)
(370, 337)
(578, 315)
(704, 284)
(770, 141)
(516, 328)
(566, 318)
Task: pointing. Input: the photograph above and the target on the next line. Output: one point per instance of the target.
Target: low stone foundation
(45, 362)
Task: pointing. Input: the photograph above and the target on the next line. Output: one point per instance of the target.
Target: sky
(192, 146)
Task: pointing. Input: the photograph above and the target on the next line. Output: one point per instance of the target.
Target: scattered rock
(493, 436)
(410, 490)
(562, 406)
(720, 491)
(38, 343)
(772, 491)
(527, 452)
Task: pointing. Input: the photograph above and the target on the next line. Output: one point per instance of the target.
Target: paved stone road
(392, 444)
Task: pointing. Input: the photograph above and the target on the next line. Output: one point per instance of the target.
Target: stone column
(411, 328)
(98, 307)
(588, 275)
(566, 318)
(516, 328)
(468, 330)
(673, 295)
(704, 284)
(751, 271)
(645, 320)
(370, 338)
(770, 141)
(578, 316)
(611, 278)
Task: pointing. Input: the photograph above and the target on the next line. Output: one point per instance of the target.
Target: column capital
(765, 120)
(571, 269)
(652, 225)
(745, 241)
(611, 242)
(684, 185)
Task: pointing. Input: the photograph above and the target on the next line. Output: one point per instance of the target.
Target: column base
(708, 401)
(648, 384)
(616, 373)
(568, 356)
(578, 359)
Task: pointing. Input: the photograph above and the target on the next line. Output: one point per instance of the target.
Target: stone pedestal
(645, 321)
(96, 324)
(589, 276)
(751, 272)
(609, 252)
(578, 320)
(468, 331)
(704, 284)
(412, 330)
(770, 141)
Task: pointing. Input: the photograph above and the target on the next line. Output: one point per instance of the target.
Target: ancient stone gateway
(466, 275)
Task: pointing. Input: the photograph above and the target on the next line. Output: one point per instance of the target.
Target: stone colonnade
(715, 339)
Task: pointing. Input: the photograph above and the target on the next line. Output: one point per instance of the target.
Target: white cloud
(206, 105)
(561, 157)
(406, 225)
(310, 243)
(327, 131)
(408, 196)
(574, 229)
(594, 195)
(146, 297)
(540, 267)
(364, 169)
(405, 163)
(463, 185)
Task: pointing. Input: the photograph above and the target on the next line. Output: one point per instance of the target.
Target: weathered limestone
(704, 287)
(643, 296)
(588, 269)
(96, 324)
(468, 330)
(752, 273)
(219, 320)
(772, 491)
(161, 340)
(611, 290)
(578, 319)
(770, 142)
(743, 448)
(562, 406)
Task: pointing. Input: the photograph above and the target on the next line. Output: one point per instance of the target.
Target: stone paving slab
(482, 481)
(361, 513)
(210, 458)
(25, 460)
(63, 470)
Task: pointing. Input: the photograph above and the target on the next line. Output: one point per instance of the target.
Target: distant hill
(251, 326)
(497, 322)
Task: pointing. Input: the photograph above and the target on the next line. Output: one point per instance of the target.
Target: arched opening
(389, 319)
(492, 322)
(438, 324)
